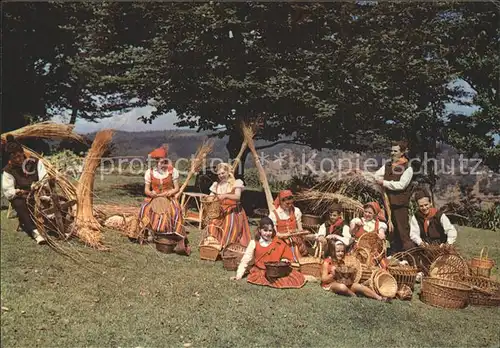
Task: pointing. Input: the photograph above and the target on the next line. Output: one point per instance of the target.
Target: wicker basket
(385, 284)
(482, 265)
(345, 275)
(275, 270)
(373, 243)
(444, 293)
(404, 274)
(232, 255)
(209, 252)
(160, 205)
(353, 262)
(311, 266)
(366, 273)
(363, 255)
(404, 293)
(311, 220)
(164, 244)
(485, 292)
(212, 207)
(449, 267)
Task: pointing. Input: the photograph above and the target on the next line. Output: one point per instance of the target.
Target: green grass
(133, 296)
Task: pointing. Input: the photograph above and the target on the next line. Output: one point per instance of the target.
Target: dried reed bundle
(252, 130)
(237, 160)
(197, 162)
(319, 202)
(45, 130)
(248, 133)
(87, 227)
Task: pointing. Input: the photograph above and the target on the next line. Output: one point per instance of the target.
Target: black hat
(12, 145)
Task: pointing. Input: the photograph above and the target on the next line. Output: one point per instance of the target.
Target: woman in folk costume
(162, 181)
(232, 226)
(337, 252)
(288, 219)
(373, 221)
(268, 248)
(18, 177)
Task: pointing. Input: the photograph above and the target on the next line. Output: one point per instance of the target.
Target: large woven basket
(345, 275)
(449, 267)
(210, 248)
(384, 283)
(485, 292)
(404, 274)
(366, 273)
(212, 207)
(482, 265)
(232, 255)
(276, 270)
(444, 293)
(373, 243)
(311, 266)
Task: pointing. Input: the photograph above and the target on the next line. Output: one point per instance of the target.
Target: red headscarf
(282, 195)
(160, 152)
(379, 214)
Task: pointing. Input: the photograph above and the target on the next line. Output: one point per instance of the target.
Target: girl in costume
(232, 226)
(337, 252)
(268, 248)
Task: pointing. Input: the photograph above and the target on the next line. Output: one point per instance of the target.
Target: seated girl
(288, 219)
(373, 221)
(334, 229)
(232, 226)
(162, 181)
(337, 251)
(268, 248)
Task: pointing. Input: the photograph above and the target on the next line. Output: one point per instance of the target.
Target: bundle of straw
(252, 130)
(248, 133)
(87, 227)
(45, 130)
(197, 162)
(322, 201)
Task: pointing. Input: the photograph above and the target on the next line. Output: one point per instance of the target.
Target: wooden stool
(196, 196)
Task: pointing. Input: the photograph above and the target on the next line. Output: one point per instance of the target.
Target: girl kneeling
(337, 253)
(268, 248)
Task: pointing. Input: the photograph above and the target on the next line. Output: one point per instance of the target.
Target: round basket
(345, 275)
(275, 270)
(160, 205)
(363, 255)
(164, 244)
(373, 243)
(404, 293)
(353, 262)
(482, 265)
(212, 207)
(444, 293)
(385, 284)
(485, 292)
(449, 267)
(404, 274)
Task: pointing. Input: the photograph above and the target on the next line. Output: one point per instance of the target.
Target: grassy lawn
(133, 296)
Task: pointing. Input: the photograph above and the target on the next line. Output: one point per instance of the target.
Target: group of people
(276, 238)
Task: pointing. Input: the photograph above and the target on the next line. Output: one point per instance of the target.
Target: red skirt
(294, 280)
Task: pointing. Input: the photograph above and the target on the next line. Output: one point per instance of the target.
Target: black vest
(435, 231)
(22, 179)
(397, 198)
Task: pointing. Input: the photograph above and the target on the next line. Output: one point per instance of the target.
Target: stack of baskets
(444, 293)
(231, 256)
(371, 242)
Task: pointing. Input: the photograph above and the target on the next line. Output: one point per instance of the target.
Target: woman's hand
(380, 182)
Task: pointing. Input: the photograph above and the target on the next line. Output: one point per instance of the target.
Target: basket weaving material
(485, 292)
(212, 207)
(385, 284)
(363, 255)
(345, 275)
(275, 270)
(160, 205)
(404, 274)
(449, 267)
(373, 243)
(404, 293)
(444, 293)
(482, 265)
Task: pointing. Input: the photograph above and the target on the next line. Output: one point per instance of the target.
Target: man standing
(395, 178)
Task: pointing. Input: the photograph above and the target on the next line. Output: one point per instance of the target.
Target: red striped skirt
(232, 227)
(294, 280)
(170, 222)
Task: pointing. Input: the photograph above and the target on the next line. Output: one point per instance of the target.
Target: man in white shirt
(428, 225)
(395, 178)
(17, 179)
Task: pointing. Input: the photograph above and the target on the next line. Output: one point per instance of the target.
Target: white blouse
(369, 226)
(346, 234)
(223, 187)
(285, 215)
(160, 174)
(248, 256)
(449, 230)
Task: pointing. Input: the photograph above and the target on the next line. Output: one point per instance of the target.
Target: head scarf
(282, 195)
(160, 152)
(379, 213)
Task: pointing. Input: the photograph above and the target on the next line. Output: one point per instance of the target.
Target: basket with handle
(373, 243)
(232, 255)
(311, 222)
(449, 267)
(404, 293)
(312, 265)
(276, 270)
(404, 274)
(445, 293)
(353, 262)
(485, 292)
(209, 247)
(212, 207)
(482, 265)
